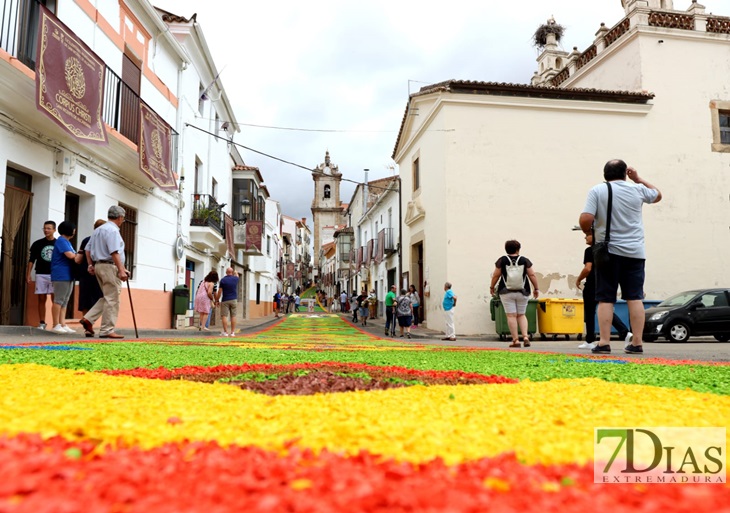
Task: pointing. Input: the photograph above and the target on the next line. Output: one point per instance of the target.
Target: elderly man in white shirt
(106, 247)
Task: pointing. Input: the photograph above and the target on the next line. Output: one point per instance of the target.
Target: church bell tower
(326, 205)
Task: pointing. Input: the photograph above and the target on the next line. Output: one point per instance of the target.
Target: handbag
(600, 249)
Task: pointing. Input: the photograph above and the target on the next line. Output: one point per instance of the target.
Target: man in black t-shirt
(40, 255)
(589, 301)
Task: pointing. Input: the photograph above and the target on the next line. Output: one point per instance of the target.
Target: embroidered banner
(69, 81)
(155, 157)
(253, 234)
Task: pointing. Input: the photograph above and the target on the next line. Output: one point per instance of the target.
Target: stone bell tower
(326, 205)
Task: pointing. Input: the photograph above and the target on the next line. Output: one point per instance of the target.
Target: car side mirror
(695, 306)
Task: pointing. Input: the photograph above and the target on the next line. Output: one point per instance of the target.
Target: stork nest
(539, 39)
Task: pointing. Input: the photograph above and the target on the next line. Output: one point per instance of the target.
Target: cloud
(328, 64)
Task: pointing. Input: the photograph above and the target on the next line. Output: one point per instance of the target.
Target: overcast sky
(347, 67)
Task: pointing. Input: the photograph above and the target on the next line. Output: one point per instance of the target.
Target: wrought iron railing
(207, 212)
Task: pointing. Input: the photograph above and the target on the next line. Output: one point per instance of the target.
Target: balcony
(388, 241)
(19, 21)
(207, 228)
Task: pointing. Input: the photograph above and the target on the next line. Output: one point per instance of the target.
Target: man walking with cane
(107, 252)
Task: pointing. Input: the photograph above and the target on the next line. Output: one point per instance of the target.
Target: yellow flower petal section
(549, 422)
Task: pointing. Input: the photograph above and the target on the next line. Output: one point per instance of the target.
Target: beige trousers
(108, 306)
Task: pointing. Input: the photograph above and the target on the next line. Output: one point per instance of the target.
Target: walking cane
(134, 320)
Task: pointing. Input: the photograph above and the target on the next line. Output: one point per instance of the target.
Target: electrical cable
(284, 161)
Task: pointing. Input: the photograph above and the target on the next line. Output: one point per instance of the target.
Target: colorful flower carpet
(314, 415)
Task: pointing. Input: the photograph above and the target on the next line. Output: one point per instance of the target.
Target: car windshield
(680, 299)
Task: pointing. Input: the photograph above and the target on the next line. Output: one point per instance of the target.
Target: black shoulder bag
(600, 249)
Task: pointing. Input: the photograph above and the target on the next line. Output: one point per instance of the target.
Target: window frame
(416, 172)
(719, 109)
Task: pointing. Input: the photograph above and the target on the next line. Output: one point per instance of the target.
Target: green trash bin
(500, 318)
(180, 300)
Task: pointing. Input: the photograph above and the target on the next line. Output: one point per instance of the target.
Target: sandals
(526, 341)
(515, 343)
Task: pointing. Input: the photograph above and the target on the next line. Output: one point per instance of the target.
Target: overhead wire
(309, 169)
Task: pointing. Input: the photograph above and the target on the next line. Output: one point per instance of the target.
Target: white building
(49, 174)
(374, 210)
(485, 162)
(207, 124)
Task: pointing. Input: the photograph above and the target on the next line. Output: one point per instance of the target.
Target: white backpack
(515, 275)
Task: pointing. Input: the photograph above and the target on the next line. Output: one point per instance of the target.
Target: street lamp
(245, 210)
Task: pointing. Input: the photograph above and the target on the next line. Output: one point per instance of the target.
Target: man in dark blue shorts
(627, 256)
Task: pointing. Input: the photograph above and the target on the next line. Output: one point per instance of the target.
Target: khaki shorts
(514, 302)
(229, 308)
(43, 284)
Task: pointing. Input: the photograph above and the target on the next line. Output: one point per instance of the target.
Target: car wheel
(678, 332)
(723, 338)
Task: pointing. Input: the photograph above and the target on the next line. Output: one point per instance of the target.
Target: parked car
(691, 313)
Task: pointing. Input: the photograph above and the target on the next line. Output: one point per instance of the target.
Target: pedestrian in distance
(228, 298)
(205, 298)
(355, 305)
(297, 302)
(449, 306)
(290, 303)
(513, 273)
(215, 304)
(613, 212)
(373, 304)
(589, 301)
(343, 302)
(404, 312)
(89, 289)
(362, 301)
(41, 252)
(390, 311)
(277, 303)
(107, 254)
(416, 302)
(62, 275)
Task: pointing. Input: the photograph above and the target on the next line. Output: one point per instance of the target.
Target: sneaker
(631, 349)
(587, 345)
(386, 333)
(69, 329)
(59, 329)
(224, 334)
(628, 339)
(408, 335)
(42, 326)
(601, 349)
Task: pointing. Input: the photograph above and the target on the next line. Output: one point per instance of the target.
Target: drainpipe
(400, 235)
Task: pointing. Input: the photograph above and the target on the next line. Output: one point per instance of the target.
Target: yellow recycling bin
(559, 316)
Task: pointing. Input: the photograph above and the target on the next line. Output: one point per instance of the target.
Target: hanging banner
(290, 270)
(69, 81)
(229, 236)
(154, 149)
(254, 231)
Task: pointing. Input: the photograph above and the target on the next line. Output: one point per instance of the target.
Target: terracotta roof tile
(523, 90)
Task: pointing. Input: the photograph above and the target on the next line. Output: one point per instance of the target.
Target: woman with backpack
(512, 272)
(404, 312)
